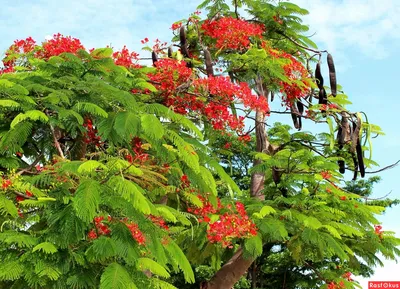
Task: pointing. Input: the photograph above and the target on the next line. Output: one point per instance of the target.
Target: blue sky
(362, 35)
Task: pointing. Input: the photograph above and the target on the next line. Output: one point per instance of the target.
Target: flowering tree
(109, 179)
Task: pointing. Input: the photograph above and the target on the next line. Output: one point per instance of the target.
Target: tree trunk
(237, 266)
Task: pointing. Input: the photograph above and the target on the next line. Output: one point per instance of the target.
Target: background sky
(362, 35)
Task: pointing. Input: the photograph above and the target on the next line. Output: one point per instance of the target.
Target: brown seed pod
(360, 158)
(332, 75)
(184, 50)
(170, 51)
(154, 57)
(342, 168)
(276, 175)
(345, 130)
(355, 135)
(300, 107)
(295, 116)
(208, 60)
(318, 76)
(272, 96)
(355, 162)
(322, 97)
(182, 35)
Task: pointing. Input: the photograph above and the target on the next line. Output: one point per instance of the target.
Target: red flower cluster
(136, 233)
(22, 198)
(347, 276)
(90, 136)
(232, 33)
(5, 183)
(326, 175)
(176, 25)
(59, 44)
(294, 71)
(101, 228)
(140, 156)
(126, 58)
(378, 231)
(159, 221)
(231, 225)
(20, 46)
(334, 285)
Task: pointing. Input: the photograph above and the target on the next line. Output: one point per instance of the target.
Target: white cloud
(365, 25)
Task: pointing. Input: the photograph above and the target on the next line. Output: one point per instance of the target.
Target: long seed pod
(342, 168)
(182, 35)
(360, 158)
(170, 51)
(295, 116)
(339, 137)
(318, 76)
(332, 74)
(355, 167)
(276, 175)
(184, 50)
(355, 135)
(345, 134)
(300, 107)
(154, 57)
(272, 96)
(209, 66)
(322, 98)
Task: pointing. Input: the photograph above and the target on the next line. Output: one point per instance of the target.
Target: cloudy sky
(362, 35)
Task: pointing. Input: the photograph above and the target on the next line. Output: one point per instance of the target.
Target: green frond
(11, 270)
(153, 267)
(45, 247)
(7, 207)
(90, 108)
(152, 127)
(116, 276)
(86, 200)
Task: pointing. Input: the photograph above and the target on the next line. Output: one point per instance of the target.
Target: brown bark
(236, 267)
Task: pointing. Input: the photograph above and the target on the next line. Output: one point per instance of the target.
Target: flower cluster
(20, 198)
(231, 225)
(139, 155)
(90, 136)
(232, 33)
(334, 285)
(101, 228)
(5, 183)
(136, 233)
(126, 58)
(298, 86)
(159, 221)
(378, 231)
(60, 44)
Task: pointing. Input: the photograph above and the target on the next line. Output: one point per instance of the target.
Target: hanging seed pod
(300, 107)
(355, 162)
(276, 175)
(355, 135)
(339, 137)
(295, 116)
(322, 97)
(209, 66)
(182, 35)
(342, 168)
(154, 57)
(345, 133)
(184, 50)
(272, 96)
(170, 51)
(360, 158)
(332, 75)
(318, 76)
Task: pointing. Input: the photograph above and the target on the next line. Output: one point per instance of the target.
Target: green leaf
(7, 207)
(254, 246)
(45, 247)
(86, 200)
(11, 270)
(32, 115)
(90, 166)
(102, 52)
(152, 126)
(116, 276)
(8, 103)
(153, 267)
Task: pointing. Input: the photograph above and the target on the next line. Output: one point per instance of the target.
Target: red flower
(5, 184)
(343, 198)
(326, 175)
(92, 235)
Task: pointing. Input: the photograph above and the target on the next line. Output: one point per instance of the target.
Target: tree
(108, 179)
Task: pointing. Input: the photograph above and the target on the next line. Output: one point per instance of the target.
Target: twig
(56, 143)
